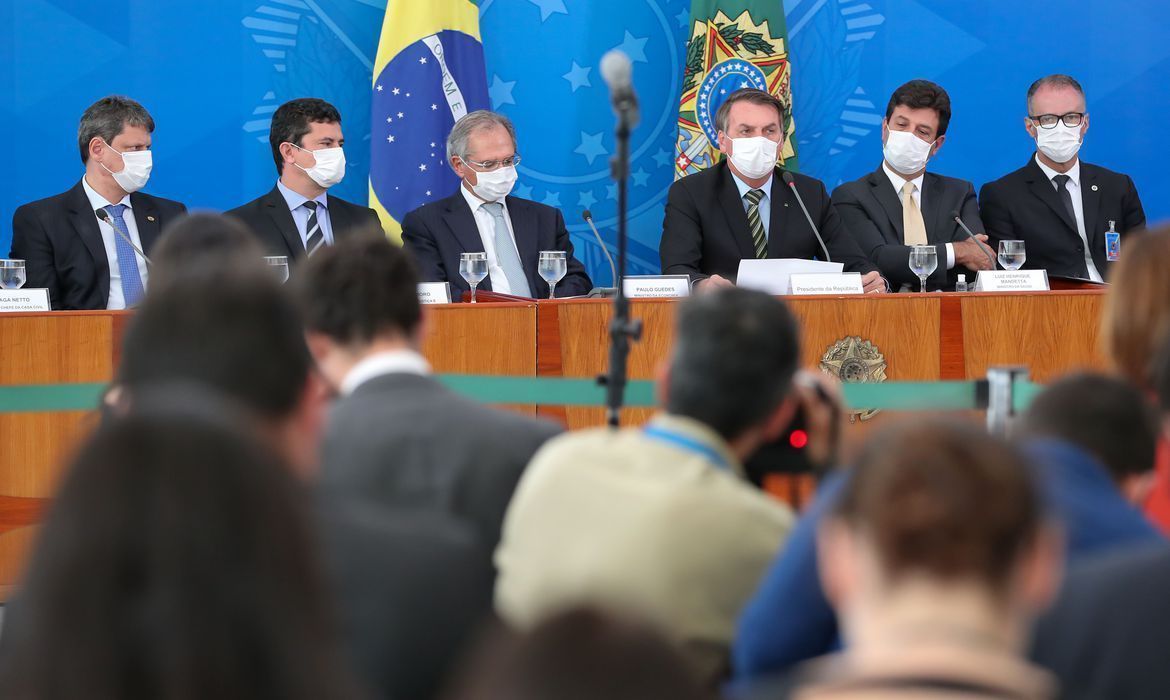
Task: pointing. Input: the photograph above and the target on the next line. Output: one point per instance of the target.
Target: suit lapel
(933, 214)
(889, 199)
(85, 223)
(781, 221)
(527, 236)
(277, 208)
(461, 223)
(1091, 202)
(146, 218)
(1042, 187)
(339, 220)
(732, 206)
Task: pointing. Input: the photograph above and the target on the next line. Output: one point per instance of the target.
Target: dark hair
(1137, 308)
(945, 499)
(923, 94)
(232, 329)
(176, 562)
(581, 654)
(734, 357)
(200, 241)
(1107, 417)
(107, 118)
(753, 96)
(1162, 376)
(360, 288)
(1056, 80)
(293, 119)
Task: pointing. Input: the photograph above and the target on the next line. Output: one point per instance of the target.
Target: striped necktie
(759, 238)
(132, 287)
(314, 236)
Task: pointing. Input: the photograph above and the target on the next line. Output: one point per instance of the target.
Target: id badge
(1112, 246)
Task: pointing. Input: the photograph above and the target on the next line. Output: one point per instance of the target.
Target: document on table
(772, 275)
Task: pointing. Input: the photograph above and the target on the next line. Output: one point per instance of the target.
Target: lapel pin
(786, 204)
(1094, 188)
(151, 218)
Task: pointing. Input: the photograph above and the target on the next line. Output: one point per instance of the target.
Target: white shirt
(116, 299)
(765, 206)
(1074, 190)
(374, 366)
(486, 224)
(300, 213)
(898, 182)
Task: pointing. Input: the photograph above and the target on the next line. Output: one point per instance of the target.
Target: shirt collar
(744, 188)
(295, 199)
(1074, 173)
(96, 201)
(700, 433)
(898, 181)
(475, 202)
(382, 363)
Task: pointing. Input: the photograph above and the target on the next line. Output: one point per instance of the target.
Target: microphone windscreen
(788, 179)
(955, 214)
(586, 215)
(616, 69)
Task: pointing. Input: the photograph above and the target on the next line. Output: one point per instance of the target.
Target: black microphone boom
(959, 220)
(105, 217)
(791, 182)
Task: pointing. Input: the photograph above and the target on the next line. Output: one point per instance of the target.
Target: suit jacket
(436, 233)
(871, 211)
(706, 229)
(61, 243)
(1023, 205)
(404, 440)
(272, 222)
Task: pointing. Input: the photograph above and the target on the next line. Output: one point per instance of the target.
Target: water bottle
(961, 284)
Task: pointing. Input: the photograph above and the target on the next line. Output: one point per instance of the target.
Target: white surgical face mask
(905, 152)
(330, 167)
(1060, 143)
(754, 157)
(135, 172)
(495, 185)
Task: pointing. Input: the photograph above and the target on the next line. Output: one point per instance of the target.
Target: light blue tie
(506, 253)
(132, 289)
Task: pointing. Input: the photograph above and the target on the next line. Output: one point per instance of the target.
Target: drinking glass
(473, 268)
(12, 274)
(552, 266)
(279, 266)
(1011, 255)
(923, 261)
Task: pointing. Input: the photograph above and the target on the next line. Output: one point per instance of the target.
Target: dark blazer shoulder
(946, 181)
(436, 208)
(256, 205)
(1099, 171)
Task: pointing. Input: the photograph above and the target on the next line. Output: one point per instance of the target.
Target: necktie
(132, 288)
(314, 236)
(913, 226)
(1065, 197)
(759, 238)
(506, 255)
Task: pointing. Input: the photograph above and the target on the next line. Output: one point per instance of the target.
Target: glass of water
(279, 266)
(923, 261)
(12, 274)
(473, 268)
(1011, 255)
(552, 266)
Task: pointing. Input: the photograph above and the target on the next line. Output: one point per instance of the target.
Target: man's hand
(712, 283)
(974, 254)
(873, 283)
(820, 398)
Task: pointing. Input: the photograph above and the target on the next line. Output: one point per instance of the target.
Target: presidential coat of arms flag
(428, 73)
(732, 44)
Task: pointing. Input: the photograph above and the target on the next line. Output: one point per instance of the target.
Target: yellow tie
(912, 222)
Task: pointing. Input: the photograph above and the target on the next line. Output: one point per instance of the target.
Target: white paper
(434, 293)
(24, 300)
(1008, 281)
(656, 286)
(772, 275)
(826, 284)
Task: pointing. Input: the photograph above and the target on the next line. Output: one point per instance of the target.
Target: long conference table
(919, 337)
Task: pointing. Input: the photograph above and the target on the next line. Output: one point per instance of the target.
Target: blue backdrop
(212, 73)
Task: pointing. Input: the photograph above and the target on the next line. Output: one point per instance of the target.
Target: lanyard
(687, 443)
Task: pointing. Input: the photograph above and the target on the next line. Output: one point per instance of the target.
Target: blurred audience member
(202, 241)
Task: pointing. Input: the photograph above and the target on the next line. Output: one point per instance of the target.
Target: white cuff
(950, 255)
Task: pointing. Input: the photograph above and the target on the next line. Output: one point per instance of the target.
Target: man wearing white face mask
(484, 217)
(741, 207)
(80, 245)
(298, 216)
(901, 205)
(1061, 207)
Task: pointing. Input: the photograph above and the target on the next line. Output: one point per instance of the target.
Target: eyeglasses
(489, 165)
(1048, 121)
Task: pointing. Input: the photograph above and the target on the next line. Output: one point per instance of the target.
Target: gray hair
(1056, 80)
(107, 117)
(472, 122)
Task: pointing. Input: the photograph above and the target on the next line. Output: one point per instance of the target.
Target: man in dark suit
(80, 255)
(397, 437)
(901, 205)
(482, 217)
(1060, 207)
(741, 208)
(298, 216)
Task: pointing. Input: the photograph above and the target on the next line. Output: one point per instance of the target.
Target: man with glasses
(1073, 216)
(483, 217)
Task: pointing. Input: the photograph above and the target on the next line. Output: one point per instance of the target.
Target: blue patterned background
(212, 73)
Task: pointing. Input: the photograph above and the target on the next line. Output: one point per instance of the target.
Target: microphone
(959, 221)
(588, 216)
(105, 216)
(788, 180)
(618, 73)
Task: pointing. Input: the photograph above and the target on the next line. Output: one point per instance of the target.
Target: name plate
(434, 293)
(1008, 281)
(826, 283)
(24, 300)
(656, 286)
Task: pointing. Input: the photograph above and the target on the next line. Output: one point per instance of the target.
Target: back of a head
(1137, 307)
(176, 562)
(1162, 382)
(944, 500)
(734, 357)
(363, 287)
(1107, 417)
(201, 241)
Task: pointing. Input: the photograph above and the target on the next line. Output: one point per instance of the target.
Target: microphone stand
(622, 329)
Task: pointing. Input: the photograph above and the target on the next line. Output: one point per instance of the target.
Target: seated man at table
(1060, 207)
(901, 205)
(741, 207)
(80, 245)
(484, 217)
